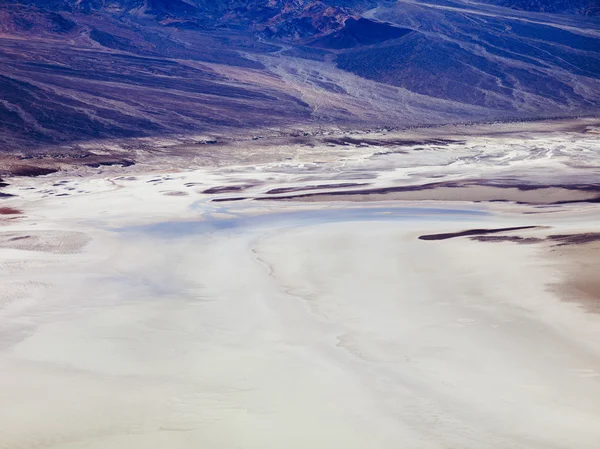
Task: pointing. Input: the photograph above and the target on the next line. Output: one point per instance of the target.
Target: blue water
(173, 229)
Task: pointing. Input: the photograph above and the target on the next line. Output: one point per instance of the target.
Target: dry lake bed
(376, 291)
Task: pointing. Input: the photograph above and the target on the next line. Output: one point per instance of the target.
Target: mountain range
(81, 70)
(586, 7)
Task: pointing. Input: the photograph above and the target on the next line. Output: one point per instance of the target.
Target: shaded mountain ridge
(95, 69)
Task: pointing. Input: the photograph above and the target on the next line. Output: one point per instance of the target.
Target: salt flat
(132, 317)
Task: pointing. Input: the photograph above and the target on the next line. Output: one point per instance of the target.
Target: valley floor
(209, 307)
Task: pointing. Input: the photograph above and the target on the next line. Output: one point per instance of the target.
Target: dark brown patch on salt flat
(317, 187)
(227, 189)
(591, 188)
(51, 241)
(377, 190)
(31, 171)
(9, 211)
(507, 238)
(557, 239)
(346, 141)
(529, 187)
(52, 160)
(589, 200)
(108, 163)
(579, 261)
(469, 232)
(575, 239)
(224, 200)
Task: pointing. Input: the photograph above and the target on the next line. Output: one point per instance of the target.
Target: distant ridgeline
(284, 18)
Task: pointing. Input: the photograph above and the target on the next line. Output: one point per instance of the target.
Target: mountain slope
(586, 7)
(497, 61)
(94, 69)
